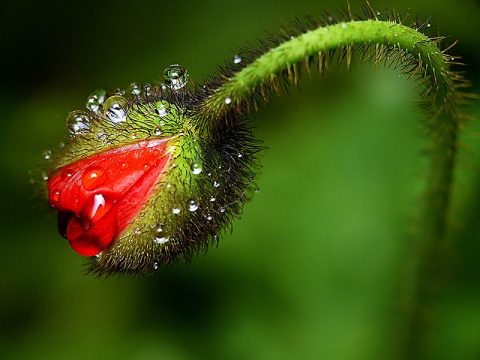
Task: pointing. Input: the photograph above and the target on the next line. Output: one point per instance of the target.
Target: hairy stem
(416, 54)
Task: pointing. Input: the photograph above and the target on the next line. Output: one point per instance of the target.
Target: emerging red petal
(97, 197)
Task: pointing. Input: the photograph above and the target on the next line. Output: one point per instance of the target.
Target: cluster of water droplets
(115, 106)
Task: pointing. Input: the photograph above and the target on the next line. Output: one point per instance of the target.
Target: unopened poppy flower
(140, 181)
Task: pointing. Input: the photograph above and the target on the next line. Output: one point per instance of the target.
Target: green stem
(418, 55)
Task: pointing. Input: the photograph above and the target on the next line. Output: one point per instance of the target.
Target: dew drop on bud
(95, 100)
(237, 59)
(228, 100)
(176, 210)
(67, 174)
(160, 236)
(78, 122)
(94, 177)
(134, 89)
(175, 76)
(115, 108)
(147, 89)
(158, 131)
(162, 108)
(196, 168)
(192, 205)
(56, 195)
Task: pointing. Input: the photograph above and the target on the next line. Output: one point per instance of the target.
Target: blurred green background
(311, 270)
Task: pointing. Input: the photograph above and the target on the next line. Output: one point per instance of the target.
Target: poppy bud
(141, 180)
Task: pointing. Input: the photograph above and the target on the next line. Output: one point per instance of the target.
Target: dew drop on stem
(237, 59)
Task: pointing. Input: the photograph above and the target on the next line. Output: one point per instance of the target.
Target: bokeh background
(313, 268)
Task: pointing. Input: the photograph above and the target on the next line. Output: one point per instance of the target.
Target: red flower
(98, 197)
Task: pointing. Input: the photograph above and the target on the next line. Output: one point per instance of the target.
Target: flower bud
(145, 181)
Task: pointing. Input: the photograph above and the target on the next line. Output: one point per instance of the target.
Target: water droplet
(67, 174)
(160, 236)
(95, 100)
(44, 176)
(175, 76)
(158, 131)
(134, 89)
(216, 184)
(56, 195)
(237, 59)
(212, 198)
(176, 210)
(192, 205)
(221, 209)
(228, 100)
(196, 168)
(94, 177)
(344, 25)
(257, 190)
(239, 155)
(162, 108)
(209, 217)
(147, 89)
(124, 166)
(146, 167)
(452, 58)
(155, 266)
(428, 25)
(78, 122)
(378, 13)
(115, 108)
(47, 154)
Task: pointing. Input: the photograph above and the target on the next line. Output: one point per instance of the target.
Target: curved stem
(417, 54)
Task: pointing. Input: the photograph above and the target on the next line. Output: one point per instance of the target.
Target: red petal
(98, 197)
